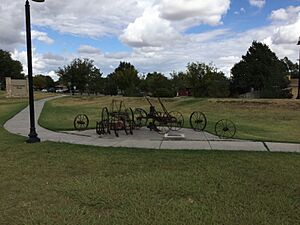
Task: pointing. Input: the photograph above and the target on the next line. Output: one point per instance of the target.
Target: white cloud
(88, 49)
(37, 62)
(207, 12)
(287, 25)
(11, 25)
(161, 23)
(287, 34)
(51, 56)
(149, 30)
(288, 14)
(41, 63)
(117, 55)
(22, 57)
(41, 36)
(91, 18)
(257, 3)
(53, 75)
(241, 11)
(279, 14)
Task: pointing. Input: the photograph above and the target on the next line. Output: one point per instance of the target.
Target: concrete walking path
(142, 138)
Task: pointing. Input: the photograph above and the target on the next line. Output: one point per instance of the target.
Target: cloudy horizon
(153, 35)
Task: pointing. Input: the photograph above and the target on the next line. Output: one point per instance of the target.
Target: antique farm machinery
(115, 119)
(118, 118)
(164, 121)
(160, 121)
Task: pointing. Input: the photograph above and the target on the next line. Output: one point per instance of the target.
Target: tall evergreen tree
(261, 70)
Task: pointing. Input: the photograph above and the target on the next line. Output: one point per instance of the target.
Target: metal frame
(117, 118)
(158, 121)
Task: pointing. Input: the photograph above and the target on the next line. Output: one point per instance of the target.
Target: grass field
(266, 120)
(55, 183)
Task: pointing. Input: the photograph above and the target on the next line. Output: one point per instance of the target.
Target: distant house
(184, 92)
(294, 86)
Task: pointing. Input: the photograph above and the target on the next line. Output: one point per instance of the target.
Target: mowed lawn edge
(258, 120)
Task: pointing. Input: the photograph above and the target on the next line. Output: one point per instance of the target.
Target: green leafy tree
(109, 85)
(95, 81)
(159, 85)
(195, 73)
(9, 68)
(261, 70)
(206, 81)
(126, 79)
(41, 81)
(216, 85)
(80, 73)
(179, 81)
(143, 87)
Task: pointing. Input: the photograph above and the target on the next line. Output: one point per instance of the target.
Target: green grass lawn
(265, 120)
(55, 183)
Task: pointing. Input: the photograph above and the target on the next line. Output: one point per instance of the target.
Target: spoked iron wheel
(161, 125)
(140, 118)
(81, 122)
(177, 120)
(198, 121)
(100, 127)
(130, 120)
(120, 124)
(225, 128)
(126, 126)
(115, 125)
(105, 120)
(104, 114)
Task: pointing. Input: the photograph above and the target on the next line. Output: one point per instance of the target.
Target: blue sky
(154, 35)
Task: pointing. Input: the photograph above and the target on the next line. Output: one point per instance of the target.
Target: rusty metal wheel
(129, 117)
(100, 127)
(198, 121)
(115, 125)
(225, 128)
(104, 114)
(81, 122)
(161, 125)
(176, 120)
(140, 118)
(105, 118)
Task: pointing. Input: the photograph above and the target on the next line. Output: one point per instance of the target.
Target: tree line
(259, 70)
(200, 79)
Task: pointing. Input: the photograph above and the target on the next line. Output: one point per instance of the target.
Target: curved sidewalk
(143, 138)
